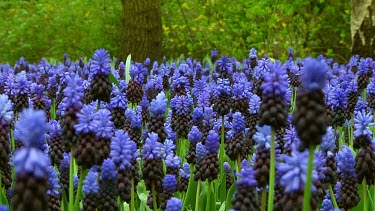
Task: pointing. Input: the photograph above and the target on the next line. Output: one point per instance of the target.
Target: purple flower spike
(174, 204)
(87, 122)
(362, 121)
(181, 104)
(105, 127)
(314, 74)
(158, 106)
(90, 184)
(100, 63)
(108, 170)
(31, 127)
(247, 178)
(345, 161)
(238, 123)
(53, 181)
(168, 148)
(200, 151)
(194, 135)
(31, 161)
(6, 113)
(73, 92)
(275, 83)
(328, 144)
(185, 171)
(152, 148)
(123, 150)
(263, 136)
(212, 142)
(169, 183)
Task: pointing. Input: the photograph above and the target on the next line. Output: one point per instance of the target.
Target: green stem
(64, 202)
(53, 108)
(208, 195)
(79, 190)
(71, 182)
(272, 171)
(122, 206)
(222, 143)
(307, 191)
(132, 204)
(333, 199)
(238, 166)
(197, 196)
(365, 194)
(1, 189)
(154, 196)
(264, 198)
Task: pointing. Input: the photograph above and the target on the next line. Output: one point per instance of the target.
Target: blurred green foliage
(47, 28)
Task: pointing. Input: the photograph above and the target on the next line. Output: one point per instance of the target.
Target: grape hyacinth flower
(100, 85)
(349, 196)
(152, 165)
(262, 156)
(6, 117)
(339, 106)
(134, 91)
(31, 164)
(237, 148)
(181, 106)
(117, 106)
(22, 91)
(228, 175)
(222, 97)
(54, 189)
(107, 199)
(90, 190)
(328, 148)
(184, 178)
(243, 198)
(169, 187)
(85, 152)
(55, 143)
(157, 110)
(364, 73)
(194, 137)
(252, 120)
(104, 133)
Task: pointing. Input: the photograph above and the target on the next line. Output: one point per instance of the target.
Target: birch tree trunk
(362, 27)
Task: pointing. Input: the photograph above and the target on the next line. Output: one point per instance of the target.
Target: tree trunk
(142, 33)
(362, 27)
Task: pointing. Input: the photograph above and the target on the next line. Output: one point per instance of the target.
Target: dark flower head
(181, 104)
(294, 170)
(275, 83)
(226, 167)
(158, 106)
(362, 120)
(185, 171)
(73, 92)
(238, 123)
(173, 161)
(87, 121)
(31, 161)
(169, 183)
(90, 184)
(212, 142)
(100, 64)
(37, 90)
(200, 151)
(53, 181)
(6, 113)
(105, 125)
(345, 161)
(174, 204)
(108, 170)
(152, 148)
(314, 74)
(194, 135)
(31, 127)
(168, 148)
(123, 150)
(263, 136)
(247, 178)
(328, 144)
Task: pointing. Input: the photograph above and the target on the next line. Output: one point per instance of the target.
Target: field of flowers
(218, 134)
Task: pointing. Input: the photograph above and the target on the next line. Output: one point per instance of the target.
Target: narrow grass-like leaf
(192, 189)
(228, 203)
(222, 207)
(127, 68)
(113, 79)
(83, 51)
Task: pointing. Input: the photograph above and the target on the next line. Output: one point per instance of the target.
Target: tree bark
(362, 27)
(142, 33)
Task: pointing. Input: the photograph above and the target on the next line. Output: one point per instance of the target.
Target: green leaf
(223, 188)
(84, 51)
(228, 203)
(127, 68)
(203, 200)
(212, 205)
(4, 198)
(113, 79)
(192, 190)
(222, 207)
